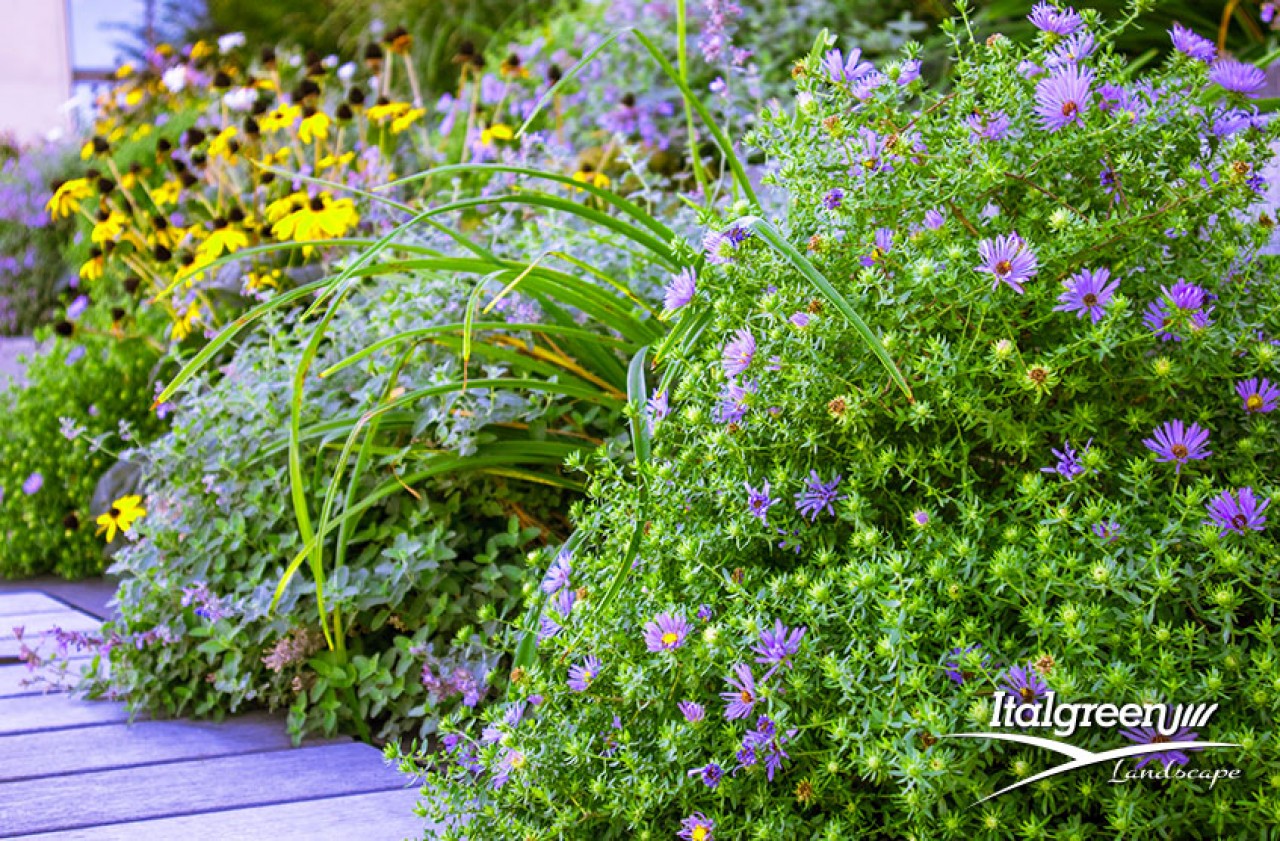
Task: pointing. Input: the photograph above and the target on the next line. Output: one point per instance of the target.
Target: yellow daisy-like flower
(109, 229)
(222, 147)
(388, 111)
(66, 199)
(285, 205)
(329, 161)
(256, 281)
(186, 322)
(132, 98)
(284, 116)
(125, 70)
(167, 193)
(320, 219)
(407, 119)
(595, 179)
(124, 512)
(201, 49)
(93, 269)
(315, 127)
(225, 240)
(497, 131)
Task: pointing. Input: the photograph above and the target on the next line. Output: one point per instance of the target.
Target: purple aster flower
(1063, 97)
(1234, 513)
(881, 246)
(1075, 49)
(738, 352)
(871, 156)
(33, 484)
(1151, 736)
(659, 406)
(799, 319)
(842, 70)
(1025, 683)
(1108, 530)
(1237, 77)
(933, 219)
(1029, 69)
(720, 247)
(759, 502)
(692, 712)
(990, 126)
(1088, 293)
(766, 740)
(681, 289)
(1068, 466)
(1191, 44)
(833, 199)
(742, 700)
(1058, 21)
(557, 577)
(710, 774)
(666, 632)
(920, 518)
(582, 675)
(697, 827)
(704, 612)
(1008, 260)
(818, 496)
(508, 761)
(733, 402)
(1177, 443)
(779, 644)
(909, 71)
(1260, 396)
(956, 661)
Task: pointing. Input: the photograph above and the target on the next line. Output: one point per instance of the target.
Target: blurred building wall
(35, 67)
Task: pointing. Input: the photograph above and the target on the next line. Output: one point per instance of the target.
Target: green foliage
(66, 427)
(1009, 503)
(33, 267)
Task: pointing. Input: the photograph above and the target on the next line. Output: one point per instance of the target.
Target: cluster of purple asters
(1183, 304)
(764, 745)
(721, 247)
(459, 681)
(775, 649)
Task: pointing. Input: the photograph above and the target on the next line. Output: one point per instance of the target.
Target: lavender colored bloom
(778, 645)
(920, 518)
(710, 774)
(1063, 97)
(799, 319)
(742, 700)
(871, 156)
(1025, 683)
(697, 827)
(990, 126)
(1088, 293)
(759, 502)
(765, 740)
(845, 70)
(666, 632)
(557, 577)
(738, 353)
(1235, 513)
(882, 244)
(1177, 443)
(733, 402)
(33, 484)
(909, 71)
(1008, 260)
(1237, 77)
(681, 289)
(1068, 466)
(933, 219)
(658, 406)
(77, 307)
(1151, 736)
(1191, 44)
(692, 712)
(582, 675)
(704, 612)
(818, 496)
(833, 199)
(1075, 49)
(1260, 396)
(955, 663)
(1046, 18)
(1107, 530)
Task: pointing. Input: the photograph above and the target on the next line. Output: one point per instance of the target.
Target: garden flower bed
(656, 437)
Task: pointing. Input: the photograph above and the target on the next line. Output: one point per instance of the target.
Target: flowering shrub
(811, 576)
(426, 576)
(84, 404)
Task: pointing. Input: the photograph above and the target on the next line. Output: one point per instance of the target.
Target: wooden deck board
(40, 623)
(53, 753)
(187, 788)
(384, 816)
(58, 711)
(28, 602)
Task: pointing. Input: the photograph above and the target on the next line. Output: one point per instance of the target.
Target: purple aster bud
(33, 484)
(681, 289)
(1057, 21)
(1191, 44)
(692, 712)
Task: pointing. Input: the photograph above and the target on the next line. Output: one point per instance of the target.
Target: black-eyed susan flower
(124, 512)
(589, 175)
(282, 117)
(495, 132)
(186, 321)
(108, 227)
(321, 218)
(66, 198)
(223, 240)
(314, 127)
(385, 111)
(406, 119)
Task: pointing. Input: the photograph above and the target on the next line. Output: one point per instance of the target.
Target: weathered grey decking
(74, 769)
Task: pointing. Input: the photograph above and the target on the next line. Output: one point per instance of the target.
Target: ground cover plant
(820, 565)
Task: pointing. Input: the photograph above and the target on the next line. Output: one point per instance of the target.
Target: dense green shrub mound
(84, 404)
(766, 628)
(428, 569)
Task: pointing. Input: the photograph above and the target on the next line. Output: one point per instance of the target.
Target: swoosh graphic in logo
(1080, 758)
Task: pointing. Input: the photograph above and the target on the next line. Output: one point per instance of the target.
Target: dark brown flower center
(1160, 739)
(1069, 109)
(1090, 299)
(1004, 267)
(1038, 375)
(1179, 450)
(746, 697)
(1239, 521)
(1027, 693)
